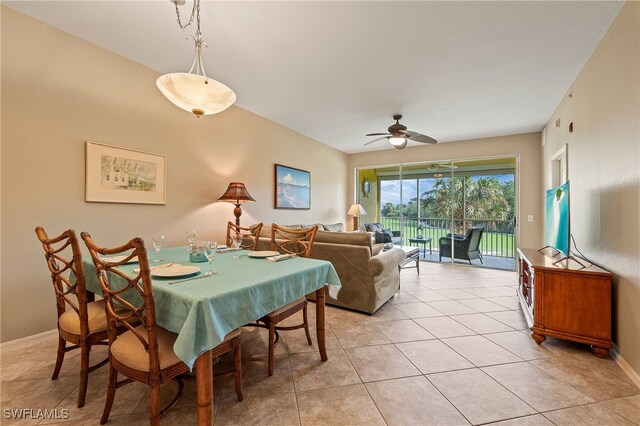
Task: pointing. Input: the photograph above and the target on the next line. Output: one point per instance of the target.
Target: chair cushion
(286, 307)
(97, 318)
(383, 237)
(128, 350)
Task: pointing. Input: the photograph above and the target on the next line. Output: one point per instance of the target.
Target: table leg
(204, 389)
(320, 323)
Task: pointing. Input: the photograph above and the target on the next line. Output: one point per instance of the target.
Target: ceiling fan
(398, 135)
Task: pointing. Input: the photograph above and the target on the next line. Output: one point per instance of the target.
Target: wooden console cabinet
(565, 301)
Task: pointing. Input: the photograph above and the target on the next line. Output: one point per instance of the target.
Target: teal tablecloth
(203, 311)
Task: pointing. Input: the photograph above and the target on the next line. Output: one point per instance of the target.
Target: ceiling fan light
(398, 141)
(195, 93)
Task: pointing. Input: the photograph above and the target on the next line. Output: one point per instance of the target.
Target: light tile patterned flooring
(450, 349)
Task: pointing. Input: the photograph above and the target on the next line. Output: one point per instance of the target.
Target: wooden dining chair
(250, 235)
(144, 353)
(298, 241)
(81, 320)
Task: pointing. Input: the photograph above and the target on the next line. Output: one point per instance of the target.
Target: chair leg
(85, 349)
(306, 323)
(237, 370)
(62, 344)
(272, 344)
(111, 393)
(154, 419)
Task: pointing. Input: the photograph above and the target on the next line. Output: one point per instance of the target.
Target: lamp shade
(356, 210)
(196, 93)
(236, 193)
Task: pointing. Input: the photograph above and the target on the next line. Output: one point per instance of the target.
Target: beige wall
(525, 146)
(604, 164)
(57, 92)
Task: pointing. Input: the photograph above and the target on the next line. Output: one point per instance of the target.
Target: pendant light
(194, 91)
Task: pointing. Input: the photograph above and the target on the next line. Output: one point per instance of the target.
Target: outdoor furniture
(243, 290)
(465, 247)
(422, 241)
(383, 235)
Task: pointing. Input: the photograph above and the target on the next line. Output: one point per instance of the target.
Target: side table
(422, 241)
(412, 254)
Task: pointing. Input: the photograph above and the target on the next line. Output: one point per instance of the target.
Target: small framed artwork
(292, 188)
(121, 175)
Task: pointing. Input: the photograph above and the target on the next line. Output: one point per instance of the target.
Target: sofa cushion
(376, 248)
(334, 227)
(350, 238)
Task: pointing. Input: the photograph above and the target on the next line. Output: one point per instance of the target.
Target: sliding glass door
(454, 211)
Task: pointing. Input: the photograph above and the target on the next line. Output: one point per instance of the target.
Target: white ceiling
(334, 70)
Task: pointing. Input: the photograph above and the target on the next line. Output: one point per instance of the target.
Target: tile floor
(450, 349)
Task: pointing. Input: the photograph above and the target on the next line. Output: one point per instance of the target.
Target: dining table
(242, 290)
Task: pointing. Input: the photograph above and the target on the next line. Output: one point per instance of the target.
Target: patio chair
(465, 247)
(383, 235)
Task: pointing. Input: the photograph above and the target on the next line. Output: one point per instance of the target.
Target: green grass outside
(492, 243)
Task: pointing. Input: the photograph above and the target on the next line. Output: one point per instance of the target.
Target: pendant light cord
(196, 8)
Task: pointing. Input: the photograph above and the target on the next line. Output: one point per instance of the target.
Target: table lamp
(356, 210)
(236, 194)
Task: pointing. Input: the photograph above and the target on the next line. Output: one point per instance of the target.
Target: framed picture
(292, 188)
(121, 175)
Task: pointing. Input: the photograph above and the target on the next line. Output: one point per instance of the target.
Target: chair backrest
(474, 234)
(298, 241)
(250, 235)
(132, 295)
(64, 260)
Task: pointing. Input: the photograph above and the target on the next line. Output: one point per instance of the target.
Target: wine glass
(191, 236)
(210, 250)
(237, 242)
(158, 242)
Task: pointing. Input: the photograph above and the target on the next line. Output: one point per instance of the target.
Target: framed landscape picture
(121, 175)
(292, 188)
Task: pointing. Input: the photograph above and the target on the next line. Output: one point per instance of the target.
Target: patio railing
(497, 238)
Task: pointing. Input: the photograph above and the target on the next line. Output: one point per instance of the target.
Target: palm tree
(465, 198)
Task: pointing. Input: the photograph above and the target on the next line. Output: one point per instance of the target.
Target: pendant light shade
(196, 93)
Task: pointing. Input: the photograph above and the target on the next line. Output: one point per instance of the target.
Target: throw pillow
(334, 227)
(382, 237)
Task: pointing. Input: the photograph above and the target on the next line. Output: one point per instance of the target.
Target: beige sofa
(369, 276)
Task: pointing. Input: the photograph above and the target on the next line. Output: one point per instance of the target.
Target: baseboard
(624, 365)
(35, 338)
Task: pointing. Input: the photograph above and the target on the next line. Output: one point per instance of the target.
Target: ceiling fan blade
(419, 137)
(378, 134)
(374, 141)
